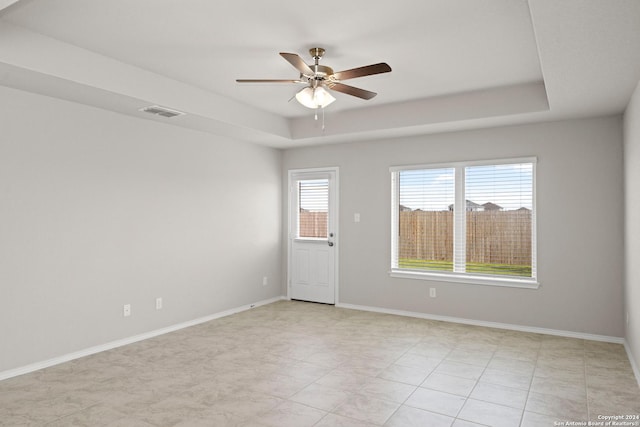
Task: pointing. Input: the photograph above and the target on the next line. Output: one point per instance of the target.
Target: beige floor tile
(278, 385)
(98, 415)
(321, 397)
(328, 359)
(490, 414)
(604, 351)
(365, 365)
(290, 414)
(7, 420)
(563, 343)
(433, 349)
(501, 395)
(407, 416)
(471, 357)
(561, 387)
(404, 374)
(449, 384)
(519, 339)
(384, 354)
(506, 378)
(457, 369)
(418, 361)
(477, 342)
(172, 410)
(436, 401)
(42, 409)
(243, 405)
(134, 422)
(296, 361)
(392, 391)
(515, 366)
(566, 409)
(304, 371)
(624, 401)
(365, 408)
(568, 375)
(464, 423)
(343, 380)
(510, 352)
(610, 378)
(560, 359)
(334, 420)
(531, 419)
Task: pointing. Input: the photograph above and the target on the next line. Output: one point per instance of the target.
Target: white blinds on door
(313, 208)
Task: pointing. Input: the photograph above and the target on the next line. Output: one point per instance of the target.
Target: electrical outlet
(126, 310)
(432, 292)
(158, 303)
(265, 281)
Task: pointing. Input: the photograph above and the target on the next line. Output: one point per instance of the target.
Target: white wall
(580, 216)
(99, 209)
(632, 223)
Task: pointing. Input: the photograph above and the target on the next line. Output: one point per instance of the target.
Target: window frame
(309, 175)
(459, 232)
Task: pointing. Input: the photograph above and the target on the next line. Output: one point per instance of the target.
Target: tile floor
(302, 364)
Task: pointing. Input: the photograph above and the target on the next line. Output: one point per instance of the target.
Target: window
(313, 208)
(472, 222)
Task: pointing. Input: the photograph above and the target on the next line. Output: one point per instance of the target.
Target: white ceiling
(456, 63)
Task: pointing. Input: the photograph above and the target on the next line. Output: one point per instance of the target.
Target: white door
(313, 232)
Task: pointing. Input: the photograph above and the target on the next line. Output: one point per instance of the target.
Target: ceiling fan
(319, 78)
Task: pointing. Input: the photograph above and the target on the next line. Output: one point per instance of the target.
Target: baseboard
(556, 332)
(130, 340)
(632, 360)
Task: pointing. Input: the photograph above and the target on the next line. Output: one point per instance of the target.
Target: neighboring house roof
(471, 206)
(489, 206)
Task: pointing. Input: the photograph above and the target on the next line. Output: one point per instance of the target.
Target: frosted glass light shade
(314, 97)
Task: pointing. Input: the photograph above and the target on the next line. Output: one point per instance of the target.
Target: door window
(313, 208)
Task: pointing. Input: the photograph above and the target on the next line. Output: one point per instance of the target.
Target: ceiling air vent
(162, 111)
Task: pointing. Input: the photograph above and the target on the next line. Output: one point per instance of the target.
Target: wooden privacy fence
(426, 235)
(312, 224)
(493, 237)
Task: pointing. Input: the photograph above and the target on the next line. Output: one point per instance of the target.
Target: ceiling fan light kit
(320, 79)
(317, 97)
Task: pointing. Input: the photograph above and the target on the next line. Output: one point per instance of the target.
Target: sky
(314, 195)
(509, 186)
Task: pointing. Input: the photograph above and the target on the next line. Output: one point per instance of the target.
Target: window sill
(509, 282)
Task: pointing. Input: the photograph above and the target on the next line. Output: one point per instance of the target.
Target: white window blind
(499, 231)
(313, 208)
(426, 219)
(471, 219)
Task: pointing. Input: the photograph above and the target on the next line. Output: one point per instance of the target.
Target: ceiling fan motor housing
(321, 71)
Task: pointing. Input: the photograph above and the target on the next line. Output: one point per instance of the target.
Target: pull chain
(315, 117)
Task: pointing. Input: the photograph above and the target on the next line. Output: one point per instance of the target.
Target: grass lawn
(472, 267)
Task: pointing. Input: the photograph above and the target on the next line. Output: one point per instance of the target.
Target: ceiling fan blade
(367, 70)
(295, 60)
(268, 81)
(351, 90)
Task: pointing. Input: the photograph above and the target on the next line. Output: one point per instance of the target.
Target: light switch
(356, 217)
